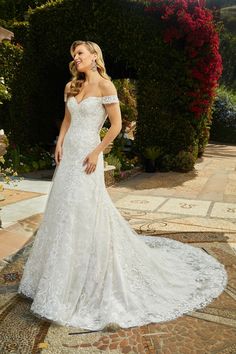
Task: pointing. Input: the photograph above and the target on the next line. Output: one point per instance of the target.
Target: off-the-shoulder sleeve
(110, 99)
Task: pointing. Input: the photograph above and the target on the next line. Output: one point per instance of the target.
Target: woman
(88, 267)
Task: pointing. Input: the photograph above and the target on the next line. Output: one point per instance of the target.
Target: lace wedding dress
(88, 267)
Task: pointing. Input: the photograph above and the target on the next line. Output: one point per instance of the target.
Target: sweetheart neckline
(78, 103)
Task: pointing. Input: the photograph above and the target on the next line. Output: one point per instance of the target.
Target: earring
(94, 65)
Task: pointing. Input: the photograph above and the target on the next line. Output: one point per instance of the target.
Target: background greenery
(223, 127)
(35, 70)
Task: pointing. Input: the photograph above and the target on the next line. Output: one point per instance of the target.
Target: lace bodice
(89, 111)
(87, 119)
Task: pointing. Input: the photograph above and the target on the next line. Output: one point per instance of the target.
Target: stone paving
(198, 207)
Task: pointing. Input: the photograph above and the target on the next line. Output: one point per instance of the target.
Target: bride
(88, 267)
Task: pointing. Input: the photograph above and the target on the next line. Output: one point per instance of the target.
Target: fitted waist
(79, 142)
(85, 126)
(77, 134)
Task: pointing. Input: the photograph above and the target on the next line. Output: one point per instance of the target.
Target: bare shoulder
(107, 87)
(67, 87)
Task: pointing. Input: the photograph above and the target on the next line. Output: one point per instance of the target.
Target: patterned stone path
(209, 330)
(196, 208)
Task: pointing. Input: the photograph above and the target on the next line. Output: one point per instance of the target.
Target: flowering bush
(192, 23)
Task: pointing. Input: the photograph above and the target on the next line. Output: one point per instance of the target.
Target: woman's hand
(58, 153)
(91, 160)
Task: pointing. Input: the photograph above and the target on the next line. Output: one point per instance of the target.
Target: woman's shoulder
(107, 87)
(108, 92)
(67, 87)
(67, 91)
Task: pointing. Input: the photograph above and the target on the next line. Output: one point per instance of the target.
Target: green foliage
(184, 161)
(11, 57)
(152, 152)
(10, 62)
(160, 70)
(103, 132)
(17, 9)
(28, 158)
(223, 128)
(126, 90)
(219, 3)
(166, 163)
(228, 16)
(114, 161)
(121, 161)
(228, 52)
(4, 94)
(20, 30)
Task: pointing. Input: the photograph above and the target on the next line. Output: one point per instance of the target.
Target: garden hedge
(153, 43)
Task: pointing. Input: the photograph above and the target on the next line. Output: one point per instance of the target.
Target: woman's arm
(64, 127)
(114, 115)
(66, 120)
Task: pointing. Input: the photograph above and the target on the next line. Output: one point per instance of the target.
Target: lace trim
(110, 99)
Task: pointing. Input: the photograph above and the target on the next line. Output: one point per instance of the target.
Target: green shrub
(10, 61)
(228, 16)
(126, 90)
(20, 30)
(17, 9)
(228, 53)
(114, 161)
(4, 93)
(223, 128)
(166, 163)
(11, 57)
(163, 118)
(194, 150)
(152, 152)
(184, 161)
(28, 158)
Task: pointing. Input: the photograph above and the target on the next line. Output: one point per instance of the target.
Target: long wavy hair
(78, 78)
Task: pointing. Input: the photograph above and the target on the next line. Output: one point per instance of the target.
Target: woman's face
(83, 58)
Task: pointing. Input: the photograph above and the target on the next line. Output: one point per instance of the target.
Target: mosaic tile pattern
(186, 206)
(209, 330)
(140, 202)
(224, 210)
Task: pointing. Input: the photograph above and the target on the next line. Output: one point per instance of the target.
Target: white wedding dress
(88, 267)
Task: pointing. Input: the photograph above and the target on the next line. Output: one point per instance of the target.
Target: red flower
(191, 22)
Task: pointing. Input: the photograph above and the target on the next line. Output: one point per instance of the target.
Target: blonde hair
(78, 78)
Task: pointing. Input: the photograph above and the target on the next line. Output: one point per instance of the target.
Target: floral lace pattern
(88, 267)
(110, 99)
